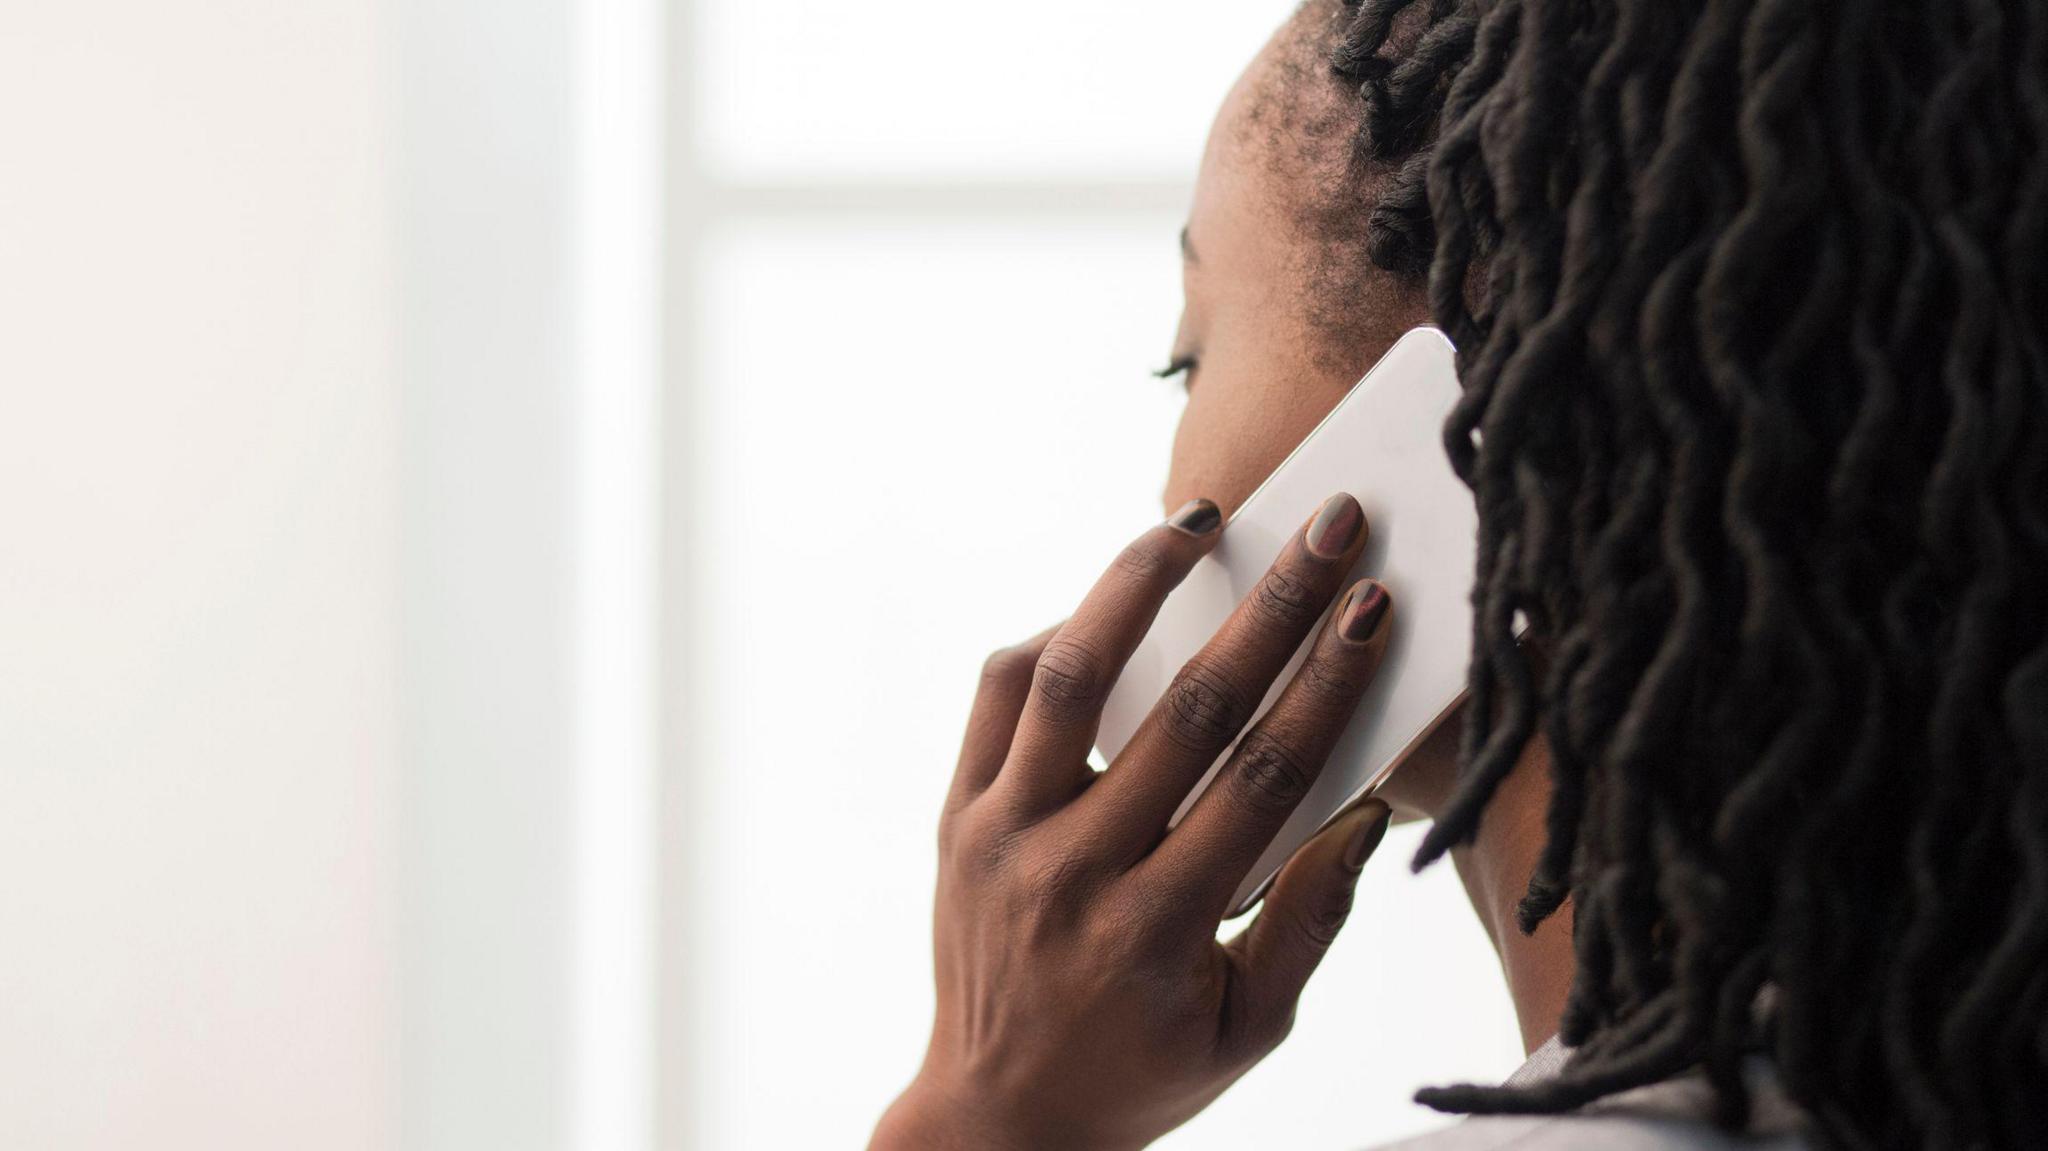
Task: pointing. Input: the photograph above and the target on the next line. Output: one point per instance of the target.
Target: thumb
(1309, 902)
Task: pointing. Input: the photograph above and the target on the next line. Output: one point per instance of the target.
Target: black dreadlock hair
(1748, 297)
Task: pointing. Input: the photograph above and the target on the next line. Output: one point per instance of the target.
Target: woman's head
(1284, 309)
(1749, 301)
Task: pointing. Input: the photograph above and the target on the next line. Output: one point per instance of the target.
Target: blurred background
(503, 504)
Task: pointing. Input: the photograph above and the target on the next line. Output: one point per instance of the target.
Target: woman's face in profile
(1260, 371)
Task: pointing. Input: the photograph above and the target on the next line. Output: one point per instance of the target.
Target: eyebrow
(1187, 249)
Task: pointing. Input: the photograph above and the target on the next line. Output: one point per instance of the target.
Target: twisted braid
(1749, 304)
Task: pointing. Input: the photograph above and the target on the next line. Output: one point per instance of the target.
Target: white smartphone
(1384, 445)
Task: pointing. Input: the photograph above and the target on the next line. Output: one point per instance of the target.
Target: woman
(1748, 297)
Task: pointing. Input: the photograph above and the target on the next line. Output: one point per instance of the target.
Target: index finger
(1048, 760)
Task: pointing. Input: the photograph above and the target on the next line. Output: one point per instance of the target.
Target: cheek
(1233, 434)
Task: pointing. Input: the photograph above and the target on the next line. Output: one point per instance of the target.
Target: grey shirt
(1668, 1116)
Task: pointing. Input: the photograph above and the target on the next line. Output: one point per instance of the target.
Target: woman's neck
(1495, 868)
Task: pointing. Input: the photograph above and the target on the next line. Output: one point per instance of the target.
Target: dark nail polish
(1366, 839)
(1197, 518)
(1363, 610)
(1335, 526)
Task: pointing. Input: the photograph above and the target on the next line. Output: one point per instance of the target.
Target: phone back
(1383, 443)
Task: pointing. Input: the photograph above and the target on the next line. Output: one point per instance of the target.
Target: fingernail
(1196, 518)
(1335, 526)
(1365, 838)
(1363, 610)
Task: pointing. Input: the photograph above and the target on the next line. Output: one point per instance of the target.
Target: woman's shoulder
(1669, 1116)
(1599, 1130)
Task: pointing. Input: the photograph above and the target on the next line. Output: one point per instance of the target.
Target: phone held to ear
(1384, 444)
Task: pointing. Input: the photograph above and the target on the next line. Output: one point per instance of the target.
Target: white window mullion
(615, 482)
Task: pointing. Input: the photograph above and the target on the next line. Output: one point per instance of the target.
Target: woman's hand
(1083, 1000)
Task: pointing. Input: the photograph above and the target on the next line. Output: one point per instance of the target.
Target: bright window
(938, 89)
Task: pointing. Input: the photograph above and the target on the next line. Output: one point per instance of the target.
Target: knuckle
(1326, 916)
(1155, 918)
(1143, 561)
(1123, 929)
(1049, 884)
(1284, 600)
(1270, 775)
(1069, 676)
(973, 844)
(1203, 708)
(1008, 666)
(1331, 682)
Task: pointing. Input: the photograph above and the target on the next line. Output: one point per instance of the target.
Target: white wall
(198, 526)
(326, 388)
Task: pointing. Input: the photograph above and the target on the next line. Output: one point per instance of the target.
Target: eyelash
(1181, 366)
